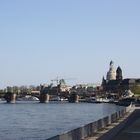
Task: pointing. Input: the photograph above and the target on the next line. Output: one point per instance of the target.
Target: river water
(36, 121)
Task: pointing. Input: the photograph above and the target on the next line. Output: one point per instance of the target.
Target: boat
(92, 100)
(28, 98)
(2, 99)
(104, 100)
(58, 99)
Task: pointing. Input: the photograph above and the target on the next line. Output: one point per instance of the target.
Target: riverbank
(92, 128)
(131, 129)
(110, 131)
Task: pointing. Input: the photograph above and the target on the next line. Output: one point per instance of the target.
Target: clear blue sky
(43, 39)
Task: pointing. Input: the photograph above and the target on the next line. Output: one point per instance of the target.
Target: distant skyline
(43, 39)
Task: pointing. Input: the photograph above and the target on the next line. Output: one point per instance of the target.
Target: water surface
(35, 121)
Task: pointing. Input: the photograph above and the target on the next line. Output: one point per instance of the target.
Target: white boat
(103, 100)
(2, 99)
(92, 100)
(28, 98)
(58, 99)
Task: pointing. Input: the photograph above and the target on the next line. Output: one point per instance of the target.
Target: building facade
(114, 82)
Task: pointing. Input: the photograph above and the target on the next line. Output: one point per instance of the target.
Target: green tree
(16, 89)
(9, 89)
(136, 89)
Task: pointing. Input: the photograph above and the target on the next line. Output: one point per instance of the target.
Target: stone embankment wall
(91, 128)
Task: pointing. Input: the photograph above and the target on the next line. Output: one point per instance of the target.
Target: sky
(73, 39)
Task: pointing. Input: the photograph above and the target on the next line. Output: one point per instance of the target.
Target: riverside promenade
(103, 129)
(127, 128)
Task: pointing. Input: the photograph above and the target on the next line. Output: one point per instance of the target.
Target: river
(36, 121)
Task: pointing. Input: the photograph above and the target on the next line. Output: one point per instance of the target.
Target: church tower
(111, 74)
(119, 74)
(104, 83)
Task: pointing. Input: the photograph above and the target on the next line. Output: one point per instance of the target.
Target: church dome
(111, 74)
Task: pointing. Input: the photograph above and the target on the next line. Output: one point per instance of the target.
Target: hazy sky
(43, 39)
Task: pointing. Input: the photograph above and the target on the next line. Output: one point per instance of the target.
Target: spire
(119, 73)
(103, 83)
(111, 63)
(103, 80)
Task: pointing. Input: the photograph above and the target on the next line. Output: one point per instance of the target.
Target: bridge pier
(74, 98)
(10, 97)
(44, 98)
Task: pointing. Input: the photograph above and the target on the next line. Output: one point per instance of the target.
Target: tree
(16, 90)
(10, 89)
(136, 89)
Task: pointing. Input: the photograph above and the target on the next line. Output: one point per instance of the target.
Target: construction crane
(55, 80)
(60, 81)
